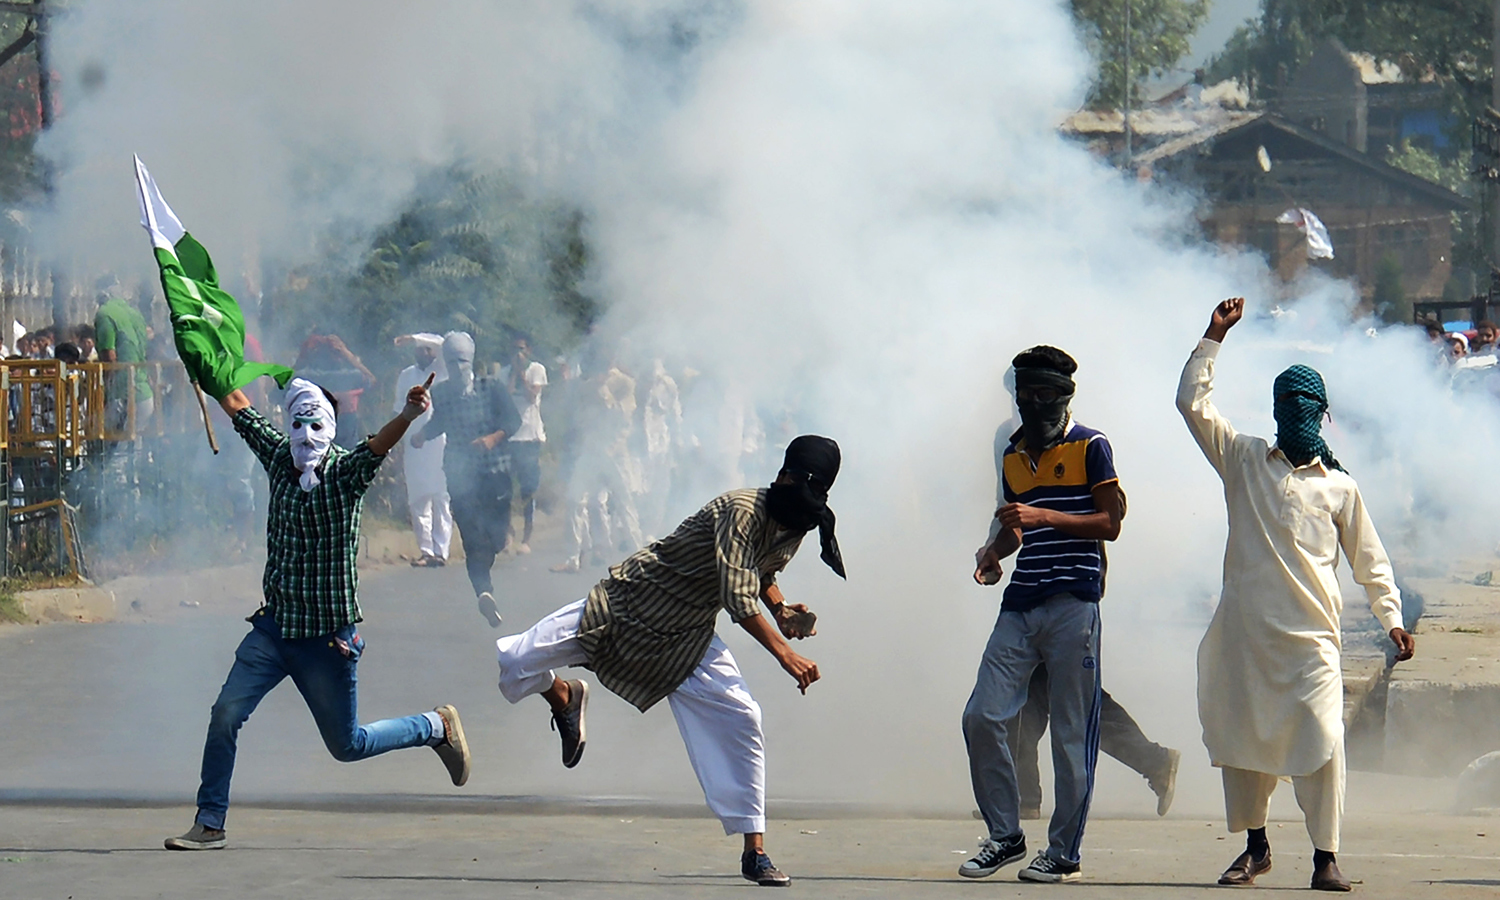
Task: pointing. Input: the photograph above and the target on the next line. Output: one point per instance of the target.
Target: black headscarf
(812, 462)
(1042, 423)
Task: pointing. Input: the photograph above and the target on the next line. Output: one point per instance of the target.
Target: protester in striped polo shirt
(1063, 500)
(647, 631)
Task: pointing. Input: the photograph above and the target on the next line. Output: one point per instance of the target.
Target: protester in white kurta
(1270, 688)
(426, 486)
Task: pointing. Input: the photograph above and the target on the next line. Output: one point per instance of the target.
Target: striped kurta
(646, 627)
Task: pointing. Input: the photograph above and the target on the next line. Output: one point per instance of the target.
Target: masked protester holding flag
(647, 631)
(306, 629)
(1063, 501)
(1270, 685)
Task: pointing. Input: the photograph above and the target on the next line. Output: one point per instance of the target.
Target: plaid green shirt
(312, 537)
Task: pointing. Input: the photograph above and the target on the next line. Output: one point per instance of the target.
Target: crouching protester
(306, 630)
(647, 632)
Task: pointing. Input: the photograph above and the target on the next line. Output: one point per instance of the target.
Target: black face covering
(812, 463)
(1042, 423)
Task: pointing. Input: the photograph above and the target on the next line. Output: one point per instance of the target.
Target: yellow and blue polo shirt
(1050, 561)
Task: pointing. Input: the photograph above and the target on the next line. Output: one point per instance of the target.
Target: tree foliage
(1159, 34)
(1445, 39)
(471, 252)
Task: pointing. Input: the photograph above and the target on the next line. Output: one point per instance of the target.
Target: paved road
(110, 854)
(104, 727)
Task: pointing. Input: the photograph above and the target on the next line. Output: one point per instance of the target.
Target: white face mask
(312, 427)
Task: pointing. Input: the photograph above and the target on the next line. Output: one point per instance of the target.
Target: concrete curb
(74, 604)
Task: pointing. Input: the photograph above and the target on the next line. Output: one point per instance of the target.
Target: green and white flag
(207, 324)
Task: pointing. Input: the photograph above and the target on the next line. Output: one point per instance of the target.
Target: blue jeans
(323, 670)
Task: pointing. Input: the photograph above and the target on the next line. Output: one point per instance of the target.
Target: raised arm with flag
(207, 324)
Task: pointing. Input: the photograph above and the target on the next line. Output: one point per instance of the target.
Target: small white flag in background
(1319, 246)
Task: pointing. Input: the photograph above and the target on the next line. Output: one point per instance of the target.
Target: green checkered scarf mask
(1301, 400)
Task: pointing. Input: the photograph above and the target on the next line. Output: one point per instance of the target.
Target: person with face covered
(1119, 735)
(1270, 685)
(307, 627)
(1062, 501)
(647, 632)
(477, 415)
(426, 488)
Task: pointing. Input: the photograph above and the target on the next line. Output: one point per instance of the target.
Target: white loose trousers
(432, 522)
(719, 721)
(1247, 799)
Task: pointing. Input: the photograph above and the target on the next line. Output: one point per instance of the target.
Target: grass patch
(1467, 629)
(10, 604)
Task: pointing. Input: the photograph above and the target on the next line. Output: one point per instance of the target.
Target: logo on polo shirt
(1057, 472)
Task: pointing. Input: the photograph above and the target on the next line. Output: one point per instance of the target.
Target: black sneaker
(992, 855)
(756, 866)
(569, 723)
(1046, 869)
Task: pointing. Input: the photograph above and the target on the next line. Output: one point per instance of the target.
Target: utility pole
(43, 62)
(1495, 105)
(1129, 150)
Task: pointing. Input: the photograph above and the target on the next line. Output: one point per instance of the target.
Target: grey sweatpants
(1063, 633)
(1119, 736)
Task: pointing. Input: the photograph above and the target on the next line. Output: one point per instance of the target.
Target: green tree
(470, 252)
(1389, 297)
(1445, 39)
(1159, 35)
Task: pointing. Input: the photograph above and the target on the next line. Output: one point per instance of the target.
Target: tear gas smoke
(858, 212)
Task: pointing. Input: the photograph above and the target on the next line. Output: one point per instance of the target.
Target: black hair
(83, 332)
(1044, 357)
(68, 352)
(332, 400)
(1487, 323)
(1435, 328)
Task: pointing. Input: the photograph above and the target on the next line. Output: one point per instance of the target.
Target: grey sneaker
(488, 609)
(569, 724)
(454, 750)
(198, 838)
(1165, 784)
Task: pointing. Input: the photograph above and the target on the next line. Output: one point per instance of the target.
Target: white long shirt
(1270, 687)
(423, 465)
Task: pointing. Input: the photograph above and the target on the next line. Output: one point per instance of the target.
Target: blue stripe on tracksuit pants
(1062, 632)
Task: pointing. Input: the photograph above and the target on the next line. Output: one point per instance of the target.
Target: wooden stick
(213, 443)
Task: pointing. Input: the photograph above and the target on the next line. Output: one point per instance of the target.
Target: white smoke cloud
(859, 210)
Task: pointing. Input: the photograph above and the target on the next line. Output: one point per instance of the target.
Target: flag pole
(208, 426)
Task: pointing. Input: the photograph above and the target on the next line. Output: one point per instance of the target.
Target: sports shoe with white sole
(454, 750)
(992, 855)
(489, 610)
(569, 724)
(756, 866)
(198, 838)
(1047, 870)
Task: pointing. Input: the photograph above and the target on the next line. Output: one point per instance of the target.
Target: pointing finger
(428, 383)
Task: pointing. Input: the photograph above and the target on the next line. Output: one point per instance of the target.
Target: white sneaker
(488, 609)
